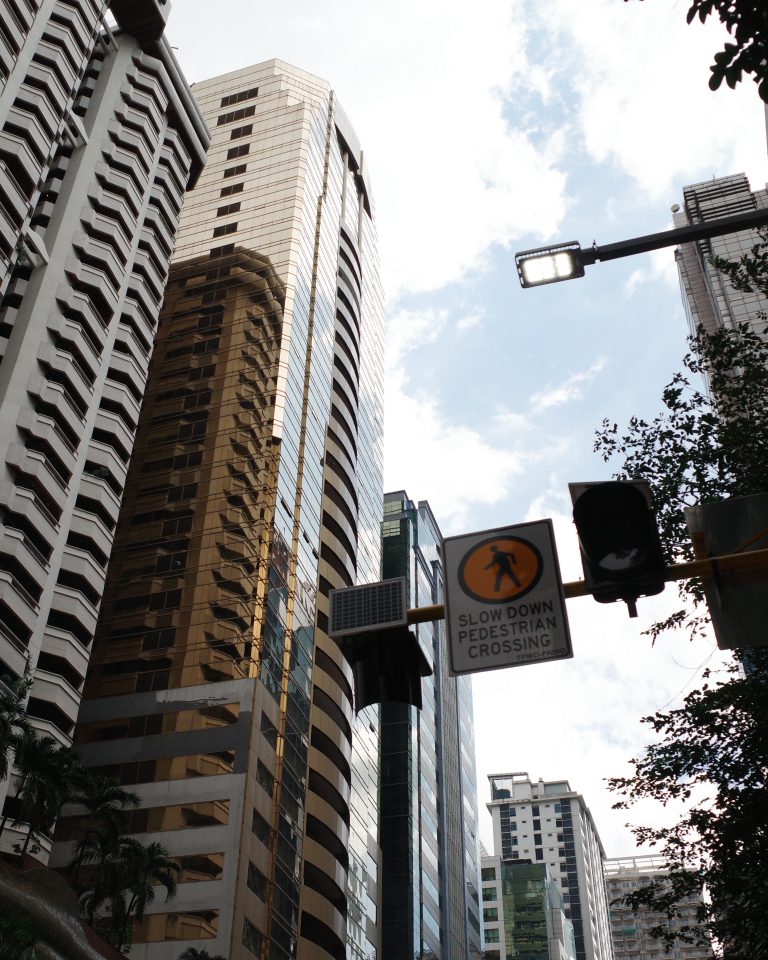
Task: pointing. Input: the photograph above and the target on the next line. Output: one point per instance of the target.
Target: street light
(564, 261)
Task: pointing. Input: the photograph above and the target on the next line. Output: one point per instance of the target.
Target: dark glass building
(428, 809)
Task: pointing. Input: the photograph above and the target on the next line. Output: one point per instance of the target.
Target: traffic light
(370, 625)
(619, 541)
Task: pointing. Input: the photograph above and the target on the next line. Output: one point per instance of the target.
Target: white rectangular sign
(504, 603)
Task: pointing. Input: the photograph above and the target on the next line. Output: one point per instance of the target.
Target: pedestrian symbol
(500, 569)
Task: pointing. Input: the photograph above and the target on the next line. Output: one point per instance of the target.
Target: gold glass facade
(254, 489)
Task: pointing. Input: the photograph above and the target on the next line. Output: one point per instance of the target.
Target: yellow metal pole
(730, 563)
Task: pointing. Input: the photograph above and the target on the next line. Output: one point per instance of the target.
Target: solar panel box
(368, 608)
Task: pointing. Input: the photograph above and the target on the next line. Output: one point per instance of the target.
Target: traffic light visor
(616, 528)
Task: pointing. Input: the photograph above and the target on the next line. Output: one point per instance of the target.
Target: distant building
(549, 823)
(99, 140)
(523, 912)
(428, 808)
(708, 298)
(631, 932)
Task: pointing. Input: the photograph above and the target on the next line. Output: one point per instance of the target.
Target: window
(252, 938)
(240, 114)
(238, 97)
(264, 777)
(237, 169)
(261, 828)
(490, 914)
(227, 209)
(269, 731)
(239, 151)
(241, 132)
(224, 229)
(491, 936)
(231, 188)
(489, 893)
(488, 873)
(257, 882)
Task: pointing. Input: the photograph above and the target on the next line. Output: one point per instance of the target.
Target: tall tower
(708, 298)
(631, 932)
(99, 139)
(547, 822)
(255, 488)
(428, 790)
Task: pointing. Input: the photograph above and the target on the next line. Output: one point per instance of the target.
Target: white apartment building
(549, 823)
(99, 139)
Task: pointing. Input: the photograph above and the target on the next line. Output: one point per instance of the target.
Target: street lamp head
(561, 261)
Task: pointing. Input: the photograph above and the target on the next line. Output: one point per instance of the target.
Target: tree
(125, 886)
(45, 776)
(192, 953)
(712, 752)
(105, 802)
(17, 937)
(13, 717)
(747, 23)
(704, 446)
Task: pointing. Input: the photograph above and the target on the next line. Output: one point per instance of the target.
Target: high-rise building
(631, 931)
(255, 488)
(428, 811)
(524, 912)
(547, 822)
(708, 297)
(99, 139)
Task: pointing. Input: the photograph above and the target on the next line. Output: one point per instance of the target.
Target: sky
(497, 127)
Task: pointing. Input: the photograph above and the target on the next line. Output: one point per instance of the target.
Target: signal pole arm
(732, 563)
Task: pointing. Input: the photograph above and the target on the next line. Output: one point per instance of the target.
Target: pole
(731, 563)
(668, 238)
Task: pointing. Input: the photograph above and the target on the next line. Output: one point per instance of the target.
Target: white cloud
(567, 391)
(641, 77)
(426, 452)
(426, 87)
(470, 321)
(408, 329)
(658, 266)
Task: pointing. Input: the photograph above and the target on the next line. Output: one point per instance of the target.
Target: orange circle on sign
(500, 569)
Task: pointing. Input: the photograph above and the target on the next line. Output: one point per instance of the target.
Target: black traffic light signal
(387, 667)
(619, 541)
(370, 624)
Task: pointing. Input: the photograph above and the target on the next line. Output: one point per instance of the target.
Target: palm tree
(105, 802)
(192, 953)
(125, 887)
(46, 771)
(13, 718)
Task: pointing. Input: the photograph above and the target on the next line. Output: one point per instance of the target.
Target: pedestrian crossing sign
(504, 604)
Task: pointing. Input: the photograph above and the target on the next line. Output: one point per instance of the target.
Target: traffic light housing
(370, 625)
(619, 541)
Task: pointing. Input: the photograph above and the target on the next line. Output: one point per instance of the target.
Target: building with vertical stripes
(708, 298)
(428, 810)
(255, 488)
(548, 823)
(99, 140)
